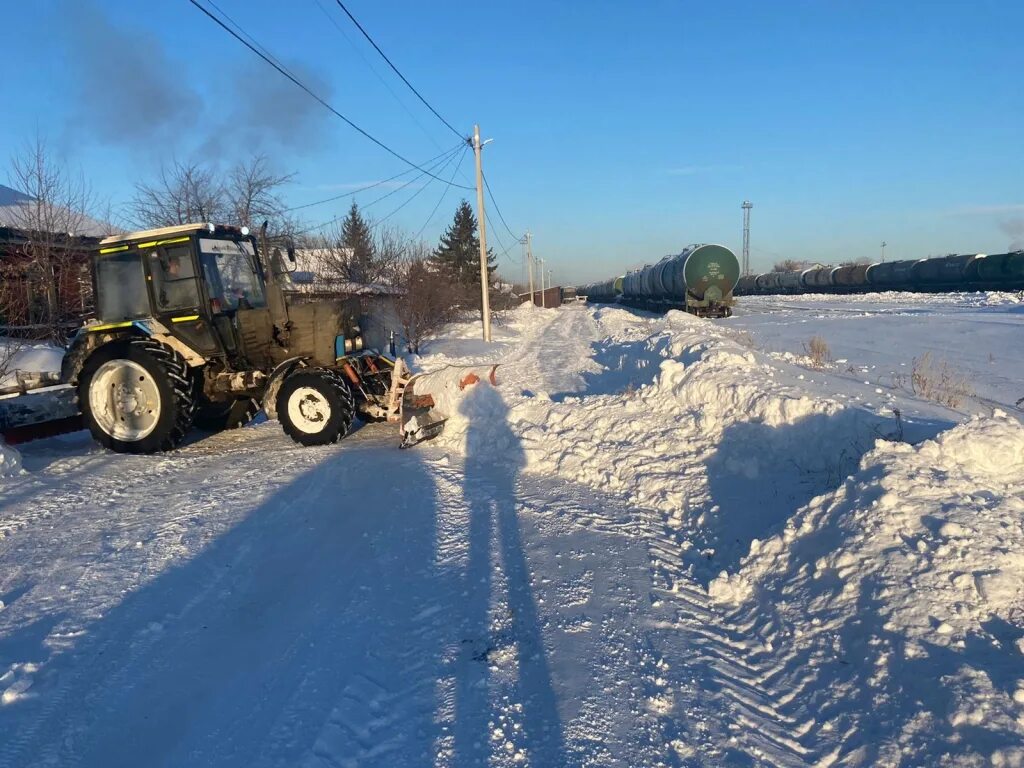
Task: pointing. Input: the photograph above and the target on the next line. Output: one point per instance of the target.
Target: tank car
(700, 280)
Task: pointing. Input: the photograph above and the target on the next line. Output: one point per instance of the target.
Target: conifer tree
(458, 253)
(355, 234)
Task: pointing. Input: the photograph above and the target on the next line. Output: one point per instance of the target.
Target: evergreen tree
(458, 253)
(355, 234)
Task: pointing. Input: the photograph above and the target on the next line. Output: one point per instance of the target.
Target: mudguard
(277, 377)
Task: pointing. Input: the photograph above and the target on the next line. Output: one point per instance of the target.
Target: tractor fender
(274, 382)
(78, 349)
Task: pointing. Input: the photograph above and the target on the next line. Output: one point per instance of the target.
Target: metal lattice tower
(747, 205)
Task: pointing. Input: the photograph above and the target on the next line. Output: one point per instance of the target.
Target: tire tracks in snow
(716, 695)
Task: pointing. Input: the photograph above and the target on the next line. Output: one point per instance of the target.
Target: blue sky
(622, 130)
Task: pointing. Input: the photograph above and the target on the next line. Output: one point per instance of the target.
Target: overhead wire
(269, 59)
(444, 193)
(494, 202)
(369, 186)
(334, 22)
(395, 69)
(438, 166)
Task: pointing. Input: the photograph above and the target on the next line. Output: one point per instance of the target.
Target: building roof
(15, 213)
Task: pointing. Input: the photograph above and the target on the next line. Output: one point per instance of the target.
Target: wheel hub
(309, 410)
(124, 400)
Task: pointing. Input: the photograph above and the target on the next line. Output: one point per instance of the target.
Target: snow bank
(905, 588)
(10, 461)
(677, 416)
(28, 356)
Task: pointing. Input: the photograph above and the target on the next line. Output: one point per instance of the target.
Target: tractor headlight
(359, 343)
(348, 346)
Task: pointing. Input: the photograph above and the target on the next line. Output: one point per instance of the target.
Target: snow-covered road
(539, 586)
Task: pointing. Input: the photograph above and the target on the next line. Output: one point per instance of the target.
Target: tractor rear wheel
(315, 406)
(232, 414)
(136, 396)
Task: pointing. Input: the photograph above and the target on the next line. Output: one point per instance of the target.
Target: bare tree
(789, 265)
(53, 212)
(427, 299)
(391, 248)
(183, 193)
(252, 190)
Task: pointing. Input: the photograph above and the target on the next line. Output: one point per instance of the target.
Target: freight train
(699, 280)
(968, 272)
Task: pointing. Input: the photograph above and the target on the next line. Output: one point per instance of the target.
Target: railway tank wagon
(700, 280)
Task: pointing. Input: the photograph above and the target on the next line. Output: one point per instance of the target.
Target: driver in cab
(177, 288)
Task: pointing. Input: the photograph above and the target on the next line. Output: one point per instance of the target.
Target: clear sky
(622, 130)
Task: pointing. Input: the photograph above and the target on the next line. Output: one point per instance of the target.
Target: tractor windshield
(228, 266)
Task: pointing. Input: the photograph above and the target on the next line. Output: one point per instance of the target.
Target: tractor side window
(121, 287)
(174, 279)
(229, 270)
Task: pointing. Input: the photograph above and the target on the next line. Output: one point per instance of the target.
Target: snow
(10, 461)
(903, 591)
(658, 541)
(28, 357)
(877, 337)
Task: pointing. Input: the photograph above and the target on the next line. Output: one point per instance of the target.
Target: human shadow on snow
(494, 457)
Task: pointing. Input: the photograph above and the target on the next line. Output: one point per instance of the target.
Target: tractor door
(178, 298)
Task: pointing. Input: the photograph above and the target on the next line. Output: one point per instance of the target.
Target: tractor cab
(188, 282)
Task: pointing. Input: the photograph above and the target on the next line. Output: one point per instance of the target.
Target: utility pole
(543, 296)
(747, 205)
(529, 264)
(485, 301)
(883, 251)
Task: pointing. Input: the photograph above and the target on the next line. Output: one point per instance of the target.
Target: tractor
(193, 328)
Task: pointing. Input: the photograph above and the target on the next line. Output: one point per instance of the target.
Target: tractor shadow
(315, 626)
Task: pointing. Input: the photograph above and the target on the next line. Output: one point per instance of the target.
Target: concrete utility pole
(529, 264)
(747, 205)
(543, 296)
(485, 301)
(883, 251)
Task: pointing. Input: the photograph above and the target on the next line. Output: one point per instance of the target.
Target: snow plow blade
(39, 413)
(429, 399)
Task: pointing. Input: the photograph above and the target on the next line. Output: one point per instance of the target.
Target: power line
(283, 71)
(411, 197)
(366, 61)
(368, 186)
(494, 202)
(439, 166)
(395, 69)
(444, 193)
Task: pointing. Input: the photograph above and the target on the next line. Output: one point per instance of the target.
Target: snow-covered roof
(14, 213)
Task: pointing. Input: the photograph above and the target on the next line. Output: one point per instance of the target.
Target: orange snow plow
(426, 400)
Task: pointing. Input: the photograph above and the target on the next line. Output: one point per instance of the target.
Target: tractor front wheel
(315, 406)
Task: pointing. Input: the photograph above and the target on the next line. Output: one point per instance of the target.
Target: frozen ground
(876, 336)
(651, 545)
